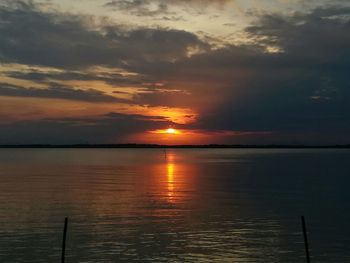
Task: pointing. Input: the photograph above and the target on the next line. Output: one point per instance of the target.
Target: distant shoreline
(158, 146)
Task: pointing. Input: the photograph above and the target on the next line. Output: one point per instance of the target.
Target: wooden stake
(64, 239)
(305, 240)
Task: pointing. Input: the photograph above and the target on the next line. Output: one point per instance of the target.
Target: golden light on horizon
(173, 136)
(170, 131)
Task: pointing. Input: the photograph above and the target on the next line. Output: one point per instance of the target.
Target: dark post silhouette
(64, 239)
(305, 240)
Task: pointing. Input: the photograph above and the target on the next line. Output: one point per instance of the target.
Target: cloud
(58, 92)
(162, 97)
(293, 33)
(109, 128)
(34, 37)
(159, 7)
(112, 78)
(277, 93)
(140, 7)
(303, 88)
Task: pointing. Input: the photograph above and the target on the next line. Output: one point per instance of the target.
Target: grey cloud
(138, 117)
(294, 33)
(58, 92)
(278, 92)
(158, 7)
(111, 128)
(305, 88)
(140, 7)
(163, 97)
(31, 36)
(49, 77)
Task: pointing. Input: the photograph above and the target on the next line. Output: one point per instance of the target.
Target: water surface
(185, 205)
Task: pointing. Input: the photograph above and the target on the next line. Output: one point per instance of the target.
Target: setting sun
(171, 131)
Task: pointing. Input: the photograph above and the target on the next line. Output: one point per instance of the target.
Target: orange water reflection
(172, 178)
(170, 168)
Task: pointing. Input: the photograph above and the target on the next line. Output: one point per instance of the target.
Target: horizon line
(136, 145)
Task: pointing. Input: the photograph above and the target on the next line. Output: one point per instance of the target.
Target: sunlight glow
(170, 131)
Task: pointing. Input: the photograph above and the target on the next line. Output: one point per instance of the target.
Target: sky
(211, 71)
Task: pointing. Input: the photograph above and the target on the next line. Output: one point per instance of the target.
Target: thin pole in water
(305, 240)
(64, 239)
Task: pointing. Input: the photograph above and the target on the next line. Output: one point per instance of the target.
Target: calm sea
(183, 205)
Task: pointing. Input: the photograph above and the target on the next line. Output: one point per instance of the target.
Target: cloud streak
(57, 92)
(109, 128)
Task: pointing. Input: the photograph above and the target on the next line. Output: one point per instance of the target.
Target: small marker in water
(305, 239)
(64, 239)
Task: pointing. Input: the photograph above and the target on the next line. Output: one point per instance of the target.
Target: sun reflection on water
(170, 169)
(170, 181)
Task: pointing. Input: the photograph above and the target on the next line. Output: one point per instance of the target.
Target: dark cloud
(110, 128)
(304, 88)
(158, 7)
(162, 97)
(135, 117)
(31, 36)
(58, 92)
(294, 34)
(49, 77)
